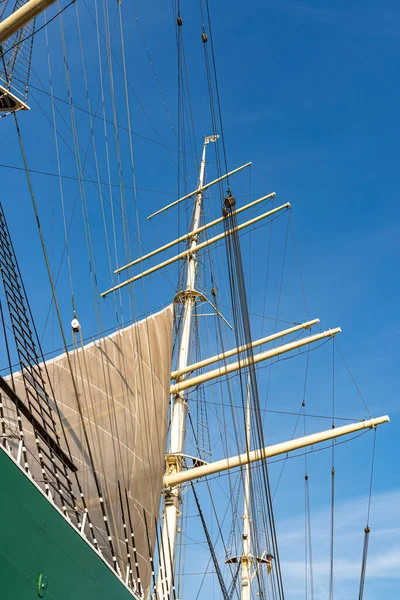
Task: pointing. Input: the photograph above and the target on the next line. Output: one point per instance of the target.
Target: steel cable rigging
(367, 529)
(224, 590)
(58, 313)
(332, 539)
(240, 311)
(308, 558)
(243, 337)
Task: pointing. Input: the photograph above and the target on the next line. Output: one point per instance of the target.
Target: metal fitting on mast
(211, 138)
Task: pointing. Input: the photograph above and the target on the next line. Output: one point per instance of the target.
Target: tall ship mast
(135, 448)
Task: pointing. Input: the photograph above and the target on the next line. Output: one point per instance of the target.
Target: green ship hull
(41, 554)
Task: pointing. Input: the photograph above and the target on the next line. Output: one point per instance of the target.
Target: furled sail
(113, 404)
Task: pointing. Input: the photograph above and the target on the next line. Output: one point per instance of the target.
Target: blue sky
(310, 93)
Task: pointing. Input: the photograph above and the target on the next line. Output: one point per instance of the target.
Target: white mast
(173, 458)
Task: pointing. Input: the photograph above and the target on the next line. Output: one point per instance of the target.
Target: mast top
(211, 138)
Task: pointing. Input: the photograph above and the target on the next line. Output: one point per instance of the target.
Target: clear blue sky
(310, 92)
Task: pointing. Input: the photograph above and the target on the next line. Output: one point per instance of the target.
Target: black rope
(3, 425)
(217, 88)
(224, 591)
(135, 556)
(166, 593)
(308, 539)
(232, 587)
(364, 563)
(126, 539)
(243, 336)
(151, 559)
(367, 528)
(220, 532)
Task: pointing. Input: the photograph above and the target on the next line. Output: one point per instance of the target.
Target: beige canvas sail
(122, 384)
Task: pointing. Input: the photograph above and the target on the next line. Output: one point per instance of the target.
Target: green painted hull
(36, 539)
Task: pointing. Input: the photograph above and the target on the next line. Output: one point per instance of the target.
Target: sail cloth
(122, 384)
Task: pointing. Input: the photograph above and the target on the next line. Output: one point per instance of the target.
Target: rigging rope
(279, 300)
(86, 158)
(96, 160)
(40, 28)
(307, 507)
(115, 59)
(128, 575)
(367, 529)
(153, 575)
(3, 425)
(332, 482)
(106, 505)
(212, 79)
(224, 591)
(151, 63)
(121, 127)
(3, 8)
(353, 379)
(230, 497)
(232, 587)
(161, 553)
(243, 336)
(364, 563)
(61, 187)
(307, 540)
(135, 555)
(58, 313)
